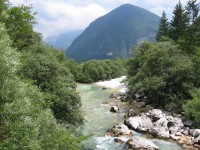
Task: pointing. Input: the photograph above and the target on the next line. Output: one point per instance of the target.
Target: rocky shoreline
(155, 122)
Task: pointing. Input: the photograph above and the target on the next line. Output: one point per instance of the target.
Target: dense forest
(167, 71)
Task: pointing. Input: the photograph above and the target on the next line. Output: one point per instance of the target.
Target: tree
(163, 27)
(192, 10)
(163, 73)
(48, 69)
(4, 5)
(25, 120)
(179, 23)
(19, 24)
(192, 107)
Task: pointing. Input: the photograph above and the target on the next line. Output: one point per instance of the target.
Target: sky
(58, 16)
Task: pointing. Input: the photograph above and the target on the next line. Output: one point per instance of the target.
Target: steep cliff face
(114, 34)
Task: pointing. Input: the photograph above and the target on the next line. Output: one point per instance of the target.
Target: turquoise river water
(96, 106)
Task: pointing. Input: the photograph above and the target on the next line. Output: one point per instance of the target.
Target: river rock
(174, 137)
(173, 130)
(162, 122)
(178, 122)
(140, 104)
(119, 130)
(197, 140)
(139, 123)
(145, 124)
(136, 143)
(113, 95)
(179, 134)
(119, 140)
(131, 113)
(155, 114)
(186, 132)
(188, 123)
(133, 122)
(114, 108)
(160, 132)
(196, 133)
(191, 131)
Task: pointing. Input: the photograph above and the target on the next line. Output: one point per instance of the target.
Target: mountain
(62, 41)
(114, 34)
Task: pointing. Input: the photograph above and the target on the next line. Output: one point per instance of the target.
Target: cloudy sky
(58, 16)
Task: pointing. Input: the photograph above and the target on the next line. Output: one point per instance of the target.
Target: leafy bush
(25, 120)
(95, 70)
(192, 107)
(48, 69)
(162, 72)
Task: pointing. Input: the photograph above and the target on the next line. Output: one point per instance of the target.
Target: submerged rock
(119, 130)
(136, 143)
(114, 108)
(131, 113)
(120, 141)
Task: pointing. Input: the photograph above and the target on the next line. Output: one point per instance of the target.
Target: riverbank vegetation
(96, 70)
(39, 107)
(167, 71)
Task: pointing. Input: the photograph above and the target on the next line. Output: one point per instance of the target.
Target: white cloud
(57, 16)
(54, 17)
(165, 2)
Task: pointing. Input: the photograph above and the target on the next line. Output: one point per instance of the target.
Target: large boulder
(139, 123)
(196, 133)
(145, 124)
(197, 140)
(188, 123)
(133, 122)
(173, 130)
(178, 122)
(162, 122)
(155, 114)
(136, 143)
(119, 130)
(160, 132)
(114, 108)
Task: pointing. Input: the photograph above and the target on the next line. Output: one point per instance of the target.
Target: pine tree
(163, 27)
(192, 10)
(179, 23)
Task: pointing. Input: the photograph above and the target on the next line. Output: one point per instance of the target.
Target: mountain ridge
(114, 34)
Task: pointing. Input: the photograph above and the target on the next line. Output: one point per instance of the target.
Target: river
(96, 106)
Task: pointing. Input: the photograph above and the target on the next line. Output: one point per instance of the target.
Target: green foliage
(26, 122)
(4, 5)
(192, 9)
(192, 107)
(163, 27)
(162, 72)
(19, 23)
(179, 23)
(95, 70)
(48, 69)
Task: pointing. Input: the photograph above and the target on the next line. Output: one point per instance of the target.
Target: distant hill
(62, 41)
(114, 34)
